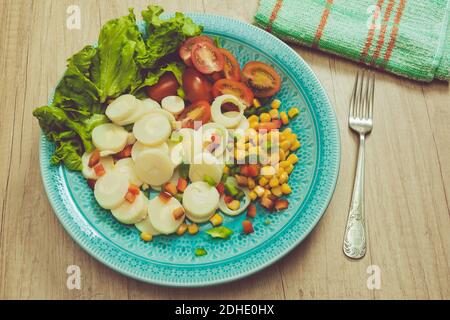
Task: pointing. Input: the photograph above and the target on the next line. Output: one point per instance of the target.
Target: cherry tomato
(231, 68)
(216, 76)
(186, 47)
(236, 88)
(207, 58)
(261, 78)
(196, 86)
(166, 86)
(197, 111)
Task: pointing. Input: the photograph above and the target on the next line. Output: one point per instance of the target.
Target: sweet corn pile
(273, 178)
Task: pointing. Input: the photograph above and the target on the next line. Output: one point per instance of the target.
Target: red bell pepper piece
(248, 226)
(182, 184)
(94, 158)
(99, 170)
(251, 211)
(220, 188)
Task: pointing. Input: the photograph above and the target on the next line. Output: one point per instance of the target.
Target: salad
(171, 112)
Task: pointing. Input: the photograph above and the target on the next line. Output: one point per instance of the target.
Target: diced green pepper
(209, 180)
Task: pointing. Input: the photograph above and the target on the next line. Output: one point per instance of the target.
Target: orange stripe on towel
(322, 24)
(274, 14)
(371, 32)
(387, 16)
(394, 32)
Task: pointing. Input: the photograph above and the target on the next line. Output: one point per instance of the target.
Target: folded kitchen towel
(407, 37)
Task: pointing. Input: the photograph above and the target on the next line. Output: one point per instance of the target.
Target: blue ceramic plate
(170, 260)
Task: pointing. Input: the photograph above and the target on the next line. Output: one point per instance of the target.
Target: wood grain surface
(407, 177)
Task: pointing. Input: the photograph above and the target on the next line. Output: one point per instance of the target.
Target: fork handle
(355, 238)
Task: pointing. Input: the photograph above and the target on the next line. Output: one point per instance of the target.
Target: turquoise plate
(170, 260)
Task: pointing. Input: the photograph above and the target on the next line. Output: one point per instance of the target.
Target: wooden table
(407, 177)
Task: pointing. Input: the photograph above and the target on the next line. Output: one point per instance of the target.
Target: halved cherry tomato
(261, 78)
(207, 58)
(198, 111)
(166, 86)
(238, 89)
(186, 47)
(231, 68)
(216, 75)
(196, 86)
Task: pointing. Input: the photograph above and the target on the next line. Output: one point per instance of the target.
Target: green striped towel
(410, 38)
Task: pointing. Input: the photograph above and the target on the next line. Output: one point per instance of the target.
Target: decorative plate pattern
(170, 260)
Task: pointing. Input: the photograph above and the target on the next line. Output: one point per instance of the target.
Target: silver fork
(360, 120)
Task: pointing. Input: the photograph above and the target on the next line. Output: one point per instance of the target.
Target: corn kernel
(289, 169)
(284, 118)
(285, 145)
(285, 188)
(253, 118)
(295, 146)
(282, 154)
(216, 220)
(259, 191)
(273, 182)
(226, 170)
(277, 191)
(256, 103)
(267, 193)
(280, 171)
(287, 131)
(263, 181)
(274, 114)
(146, 236)
(283, 177)
(234, 205)
(193, 228)
(182, 229)
(265, 117)
(285, 164)
(293, 159)
(253, 195)
(254, 125)
(267, 171)
(293, 112)
(251, 183)
(275, 104)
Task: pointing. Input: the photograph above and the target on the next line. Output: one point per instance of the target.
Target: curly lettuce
(121, 62)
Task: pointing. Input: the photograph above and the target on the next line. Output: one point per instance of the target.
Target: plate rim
(55, 199)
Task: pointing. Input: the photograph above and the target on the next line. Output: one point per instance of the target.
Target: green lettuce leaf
(120, 46)
(76, 93)
(165, 36)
